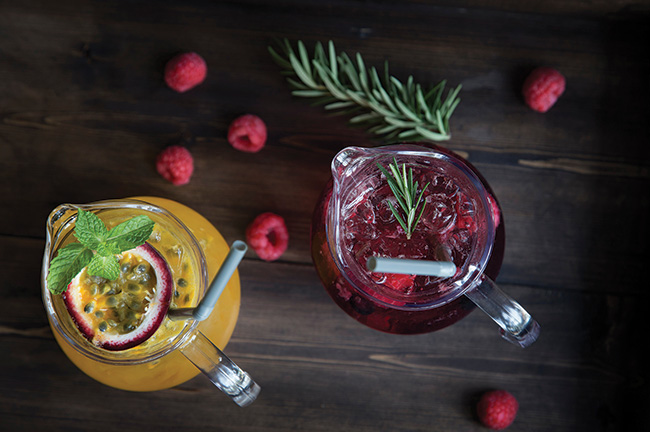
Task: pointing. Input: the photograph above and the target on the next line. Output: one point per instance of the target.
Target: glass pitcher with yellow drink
(120, 281)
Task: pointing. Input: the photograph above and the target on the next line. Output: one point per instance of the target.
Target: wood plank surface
(84, 111)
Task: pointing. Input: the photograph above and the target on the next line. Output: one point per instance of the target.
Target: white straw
(409, 266)
(209, 300)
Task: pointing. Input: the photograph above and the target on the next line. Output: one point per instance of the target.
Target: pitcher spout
(58, 218)
(346, 160)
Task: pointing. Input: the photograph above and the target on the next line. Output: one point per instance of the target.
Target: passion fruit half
(123, 313)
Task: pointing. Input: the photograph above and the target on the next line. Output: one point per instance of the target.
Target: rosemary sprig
(406, 193)
(396, 110)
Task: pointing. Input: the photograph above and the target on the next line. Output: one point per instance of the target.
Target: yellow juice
(173, 368)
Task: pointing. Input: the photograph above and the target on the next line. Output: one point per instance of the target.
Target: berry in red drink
(399, 282)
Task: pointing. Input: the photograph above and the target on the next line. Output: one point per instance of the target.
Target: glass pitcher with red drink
(360, 217)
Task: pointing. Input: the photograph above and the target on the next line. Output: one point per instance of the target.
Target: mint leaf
(70, 260)
(89, 229)
(131, 233)
(107, 249)
(107, 267)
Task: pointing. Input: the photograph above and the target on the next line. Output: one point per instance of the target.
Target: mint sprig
(96, 249)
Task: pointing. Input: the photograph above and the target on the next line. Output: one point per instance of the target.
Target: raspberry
(542, 88)
(497, 409)
(247, 133)
(400, 282)
(185, 71)
(268, 236)
(175, 164)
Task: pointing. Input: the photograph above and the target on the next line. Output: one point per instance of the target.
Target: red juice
(461, 223)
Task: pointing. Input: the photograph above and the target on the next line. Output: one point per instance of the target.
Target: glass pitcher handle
(223, 373)
(517, 326)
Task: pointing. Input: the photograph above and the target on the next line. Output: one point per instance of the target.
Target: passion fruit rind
(124, 313)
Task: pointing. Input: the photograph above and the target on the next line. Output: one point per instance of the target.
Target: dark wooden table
(84, 111)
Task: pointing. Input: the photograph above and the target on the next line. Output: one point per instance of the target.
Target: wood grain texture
(84, 112)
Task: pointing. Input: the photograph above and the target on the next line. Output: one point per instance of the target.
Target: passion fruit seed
(102, 326)
(89, 307)
(182, 282)
(119, 314)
